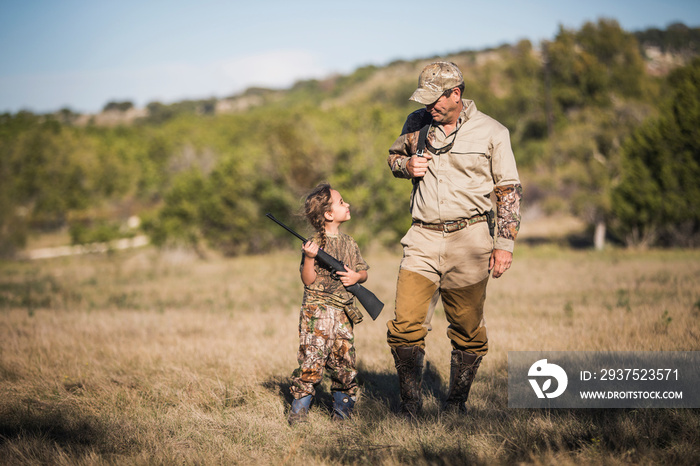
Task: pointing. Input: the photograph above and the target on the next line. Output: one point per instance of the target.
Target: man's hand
(418, 166)
(500, 261)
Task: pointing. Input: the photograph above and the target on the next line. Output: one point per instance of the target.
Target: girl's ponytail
(318, 202)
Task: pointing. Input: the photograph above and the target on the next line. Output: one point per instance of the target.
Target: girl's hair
(318, 202)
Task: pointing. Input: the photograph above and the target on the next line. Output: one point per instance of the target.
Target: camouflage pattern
(354, 314)
(327, 288)
(508, 208)
(326, 338)
(407, 143)
(326, 341)
(397, 160)
(435, 79)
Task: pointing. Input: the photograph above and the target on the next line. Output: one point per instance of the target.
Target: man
(449, 248)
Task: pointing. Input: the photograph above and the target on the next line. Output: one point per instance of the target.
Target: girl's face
(340, 210)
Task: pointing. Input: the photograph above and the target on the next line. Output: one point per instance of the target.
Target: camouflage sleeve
(508, 199)
(357, 262)
(400, 152)
(407, 144)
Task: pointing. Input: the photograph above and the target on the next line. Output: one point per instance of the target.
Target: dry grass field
(144, 357)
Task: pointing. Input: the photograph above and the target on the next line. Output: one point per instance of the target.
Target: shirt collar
(468, 111)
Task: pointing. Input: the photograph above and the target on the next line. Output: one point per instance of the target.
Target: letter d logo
(542, 369)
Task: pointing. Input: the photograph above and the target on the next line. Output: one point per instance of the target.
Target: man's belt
(453, 225)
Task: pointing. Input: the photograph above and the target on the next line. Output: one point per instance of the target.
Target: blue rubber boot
(342, 406)
(300, 410)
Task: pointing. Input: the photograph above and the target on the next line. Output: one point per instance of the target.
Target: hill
(204, 173)
(663, 51)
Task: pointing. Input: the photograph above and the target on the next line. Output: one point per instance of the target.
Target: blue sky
(82, 54)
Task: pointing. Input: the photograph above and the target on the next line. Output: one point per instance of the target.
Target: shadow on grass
(490, 432)
(35, 432)
(384, 386)
(380, 386)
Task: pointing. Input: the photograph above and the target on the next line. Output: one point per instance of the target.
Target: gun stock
(367, 299)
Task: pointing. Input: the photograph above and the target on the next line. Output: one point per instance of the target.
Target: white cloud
(167, 82)
(279, 68)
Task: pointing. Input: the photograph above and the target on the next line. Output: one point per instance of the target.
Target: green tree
(658, 197)
(594, 79)
(591, 66)
(214, 176)
(177, 222)
(118, 106)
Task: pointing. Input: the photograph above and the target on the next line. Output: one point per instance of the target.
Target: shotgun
(368, 300)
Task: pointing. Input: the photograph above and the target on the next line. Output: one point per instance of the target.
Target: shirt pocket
(470, 155)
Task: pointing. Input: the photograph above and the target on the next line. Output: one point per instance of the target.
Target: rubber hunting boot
(342, 406)
(300, 410)
(463, 367)
(409, 367)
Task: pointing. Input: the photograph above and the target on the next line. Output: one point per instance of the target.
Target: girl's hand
(310, 249)
(349, 277)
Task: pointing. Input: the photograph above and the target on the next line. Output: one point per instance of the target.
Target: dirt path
(60, 251)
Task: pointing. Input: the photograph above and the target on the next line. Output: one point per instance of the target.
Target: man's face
(446, 109)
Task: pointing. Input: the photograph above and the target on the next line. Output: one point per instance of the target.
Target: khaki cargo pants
(455, 265)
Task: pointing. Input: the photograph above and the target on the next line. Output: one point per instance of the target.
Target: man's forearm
(400, 152)
(397, 162)
(508, 199)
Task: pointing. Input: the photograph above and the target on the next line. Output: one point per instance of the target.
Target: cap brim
(424, 96)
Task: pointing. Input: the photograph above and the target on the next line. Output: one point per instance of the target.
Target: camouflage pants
(326, 341)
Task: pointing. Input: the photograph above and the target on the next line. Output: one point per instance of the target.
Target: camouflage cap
(435, 79)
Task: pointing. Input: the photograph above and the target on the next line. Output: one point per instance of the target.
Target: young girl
(325, 331)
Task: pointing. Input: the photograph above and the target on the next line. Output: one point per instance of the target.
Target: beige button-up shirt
(459, 183)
